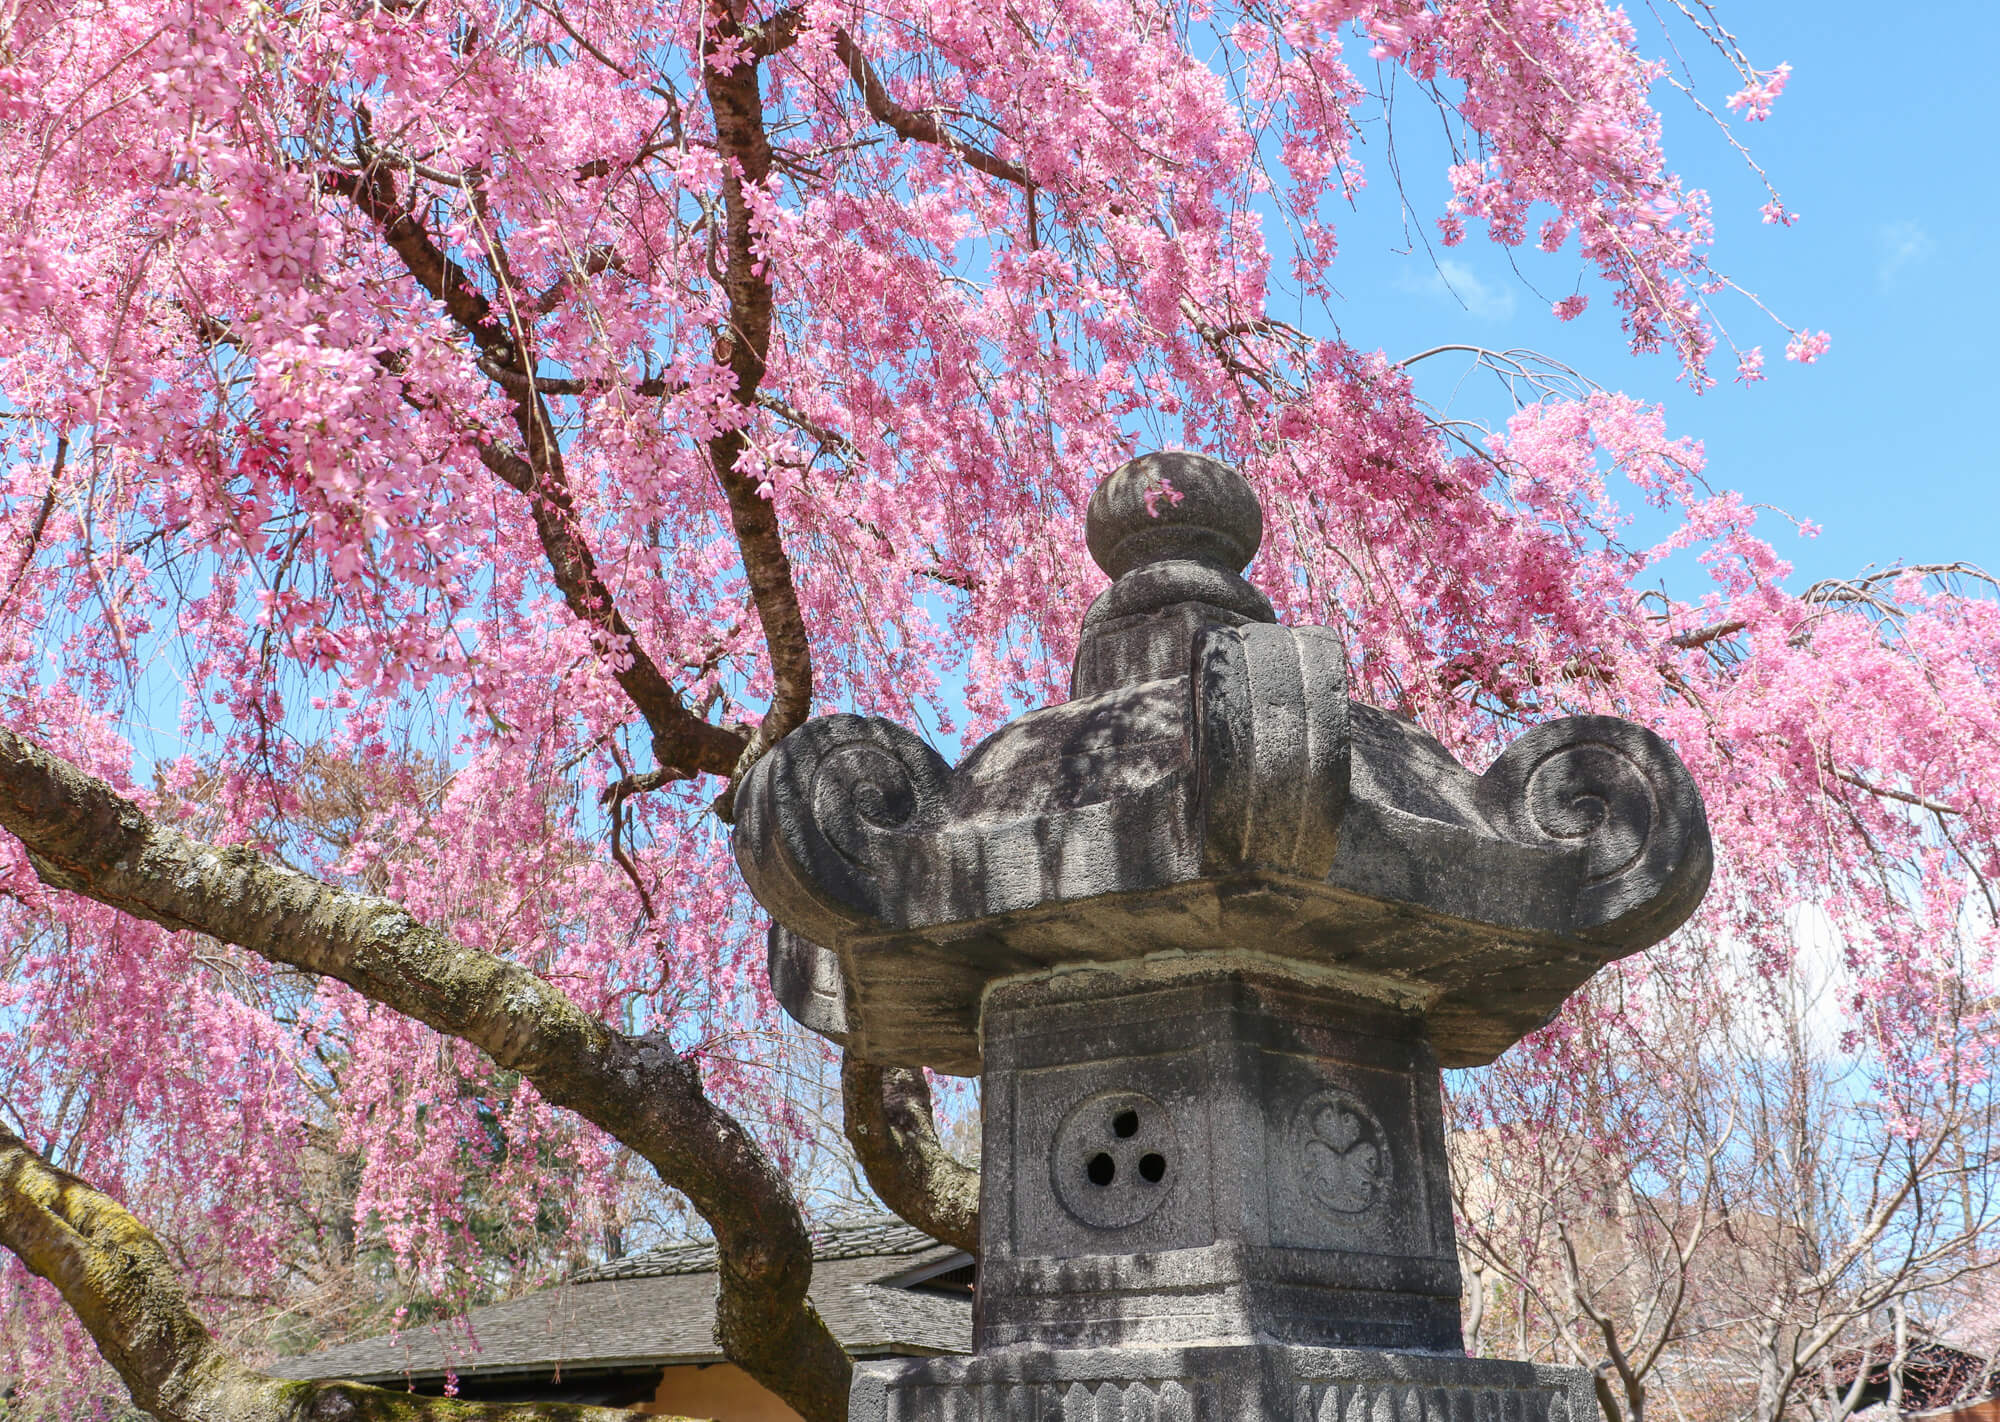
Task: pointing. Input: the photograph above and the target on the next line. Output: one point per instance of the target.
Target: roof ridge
(856, 1238)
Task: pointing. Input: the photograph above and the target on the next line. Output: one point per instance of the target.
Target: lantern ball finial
(1173, 505)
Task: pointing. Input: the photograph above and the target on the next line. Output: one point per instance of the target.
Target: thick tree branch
(1702, 636)
(119, 1281)
(597, 259)
(916, 127)
(744, 346)
(894, 1134)
(683, 743)
(372, 190)
(522, 386)
(775, 34)
(681, 740)
(83, 837)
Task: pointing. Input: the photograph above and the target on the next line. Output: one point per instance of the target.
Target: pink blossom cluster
(255, 571)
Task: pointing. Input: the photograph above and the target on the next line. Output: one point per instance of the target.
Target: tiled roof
(873, 1238)
(1936, 1376)
(659, 1307)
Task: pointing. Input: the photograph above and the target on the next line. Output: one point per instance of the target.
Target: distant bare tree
(1757, 1198)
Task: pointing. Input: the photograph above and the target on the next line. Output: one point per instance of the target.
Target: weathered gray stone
(1210, 1149)
(1207, 929)
(1208, 785)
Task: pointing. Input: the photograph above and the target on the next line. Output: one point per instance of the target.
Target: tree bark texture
(891, 1125)
(735, 96)
(113, 1272)
(83, 837)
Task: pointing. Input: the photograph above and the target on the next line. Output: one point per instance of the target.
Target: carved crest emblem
(1342, 1152)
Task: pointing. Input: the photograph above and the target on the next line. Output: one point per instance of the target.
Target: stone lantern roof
(1208, 789)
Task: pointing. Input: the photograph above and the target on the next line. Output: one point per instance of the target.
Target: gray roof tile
(659, 1307)
(860, 1239)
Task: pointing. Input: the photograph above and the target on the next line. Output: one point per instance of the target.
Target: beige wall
(1984, 1411)
(722, 1391)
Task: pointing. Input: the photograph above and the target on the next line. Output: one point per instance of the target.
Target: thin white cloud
(1900, 244)
(1456, 284)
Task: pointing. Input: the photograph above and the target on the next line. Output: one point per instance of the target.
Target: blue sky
(1882, 143)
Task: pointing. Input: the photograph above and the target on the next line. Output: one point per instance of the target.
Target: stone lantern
(1207, 931)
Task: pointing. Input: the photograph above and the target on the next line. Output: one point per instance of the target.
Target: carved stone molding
(1221, 1384)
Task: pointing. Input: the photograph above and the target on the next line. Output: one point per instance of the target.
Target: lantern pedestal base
(1220, 1383)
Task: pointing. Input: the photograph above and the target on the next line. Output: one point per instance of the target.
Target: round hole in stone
(1125, 1125)
(1095, 1173)
(1152, 1167)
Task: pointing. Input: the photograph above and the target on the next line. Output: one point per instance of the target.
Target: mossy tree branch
(112, 1271)
(83, 837)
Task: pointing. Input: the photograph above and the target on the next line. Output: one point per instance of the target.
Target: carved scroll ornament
(1208, 787)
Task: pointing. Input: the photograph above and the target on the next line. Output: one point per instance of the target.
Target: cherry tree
(446, 442)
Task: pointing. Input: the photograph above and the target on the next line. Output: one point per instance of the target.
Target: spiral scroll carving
(1617, 795)
(861, 788)
(825, 822)
(1592, 793)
